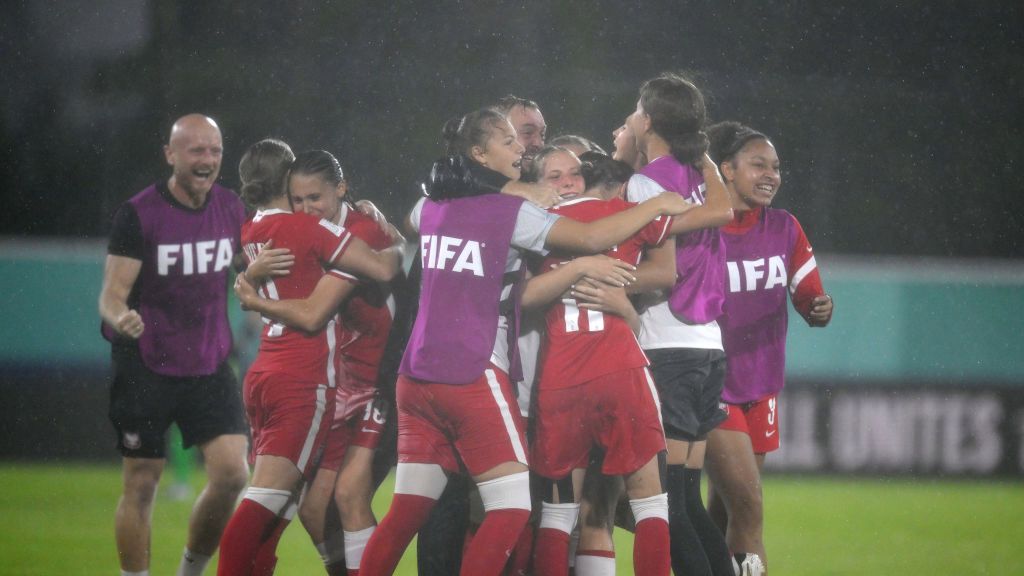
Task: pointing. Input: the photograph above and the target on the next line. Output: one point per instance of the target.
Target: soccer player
(679, 330)
(344, 479)
(442, 537)
(455, 402)
(576, 144)
(624, 143)
(164, 310)
(767, 257)
(595, 392)
(289, 389)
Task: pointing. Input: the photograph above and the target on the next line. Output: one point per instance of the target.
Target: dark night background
(898, 123)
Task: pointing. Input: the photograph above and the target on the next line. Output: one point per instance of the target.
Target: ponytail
(264, 171)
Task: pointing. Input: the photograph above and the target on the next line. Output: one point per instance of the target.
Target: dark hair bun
(729, 137)
(450, 131)
(690, 147)
(601, 170)
(450, 178)
(255, 192)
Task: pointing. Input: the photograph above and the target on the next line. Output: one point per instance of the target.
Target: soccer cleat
(752, 566)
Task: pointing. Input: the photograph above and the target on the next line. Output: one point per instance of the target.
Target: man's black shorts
(689, 383)
(143, 404)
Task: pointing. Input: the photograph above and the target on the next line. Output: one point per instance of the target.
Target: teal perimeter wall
(897, 320)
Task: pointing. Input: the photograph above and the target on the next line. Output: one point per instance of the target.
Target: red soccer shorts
(363, 430)
(758, 419)
(618, 412)
(353, 394)
(478, 423)
(288, 418)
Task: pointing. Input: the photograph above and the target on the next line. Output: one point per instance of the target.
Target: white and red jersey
(315, 244)
(582, 344)
(365, 323)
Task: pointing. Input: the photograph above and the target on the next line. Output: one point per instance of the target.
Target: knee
(228, 479)
(311, 516)
(748, 504)
(140, 484)
(347, 496)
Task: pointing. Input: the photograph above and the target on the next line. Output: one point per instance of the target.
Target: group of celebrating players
(576, 329)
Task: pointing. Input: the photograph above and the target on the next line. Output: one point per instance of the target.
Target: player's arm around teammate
(679, 332)
(317, 186)
(452, 218)
(594, 392)
(290, 389)
(312, 313)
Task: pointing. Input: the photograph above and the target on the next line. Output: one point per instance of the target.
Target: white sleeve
(415, 213)
(642, 188)
(532, 227)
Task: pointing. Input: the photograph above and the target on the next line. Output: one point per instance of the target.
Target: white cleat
(752, 566)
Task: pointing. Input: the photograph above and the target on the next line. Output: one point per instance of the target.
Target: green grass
(59, 519)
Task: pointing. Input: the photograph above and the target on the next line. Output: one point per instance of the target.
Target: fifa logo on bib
(756, 274)
(198, 258)
(454, 254)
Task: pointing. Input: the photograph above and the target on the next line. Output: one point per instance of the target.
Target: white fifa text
(755, 276)
(197, 258)
(454, 254)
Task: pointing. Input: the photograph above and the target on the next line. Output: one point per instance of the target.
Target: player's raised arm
(717, 207)
(600, 235)
(657, 271)
(119, 275)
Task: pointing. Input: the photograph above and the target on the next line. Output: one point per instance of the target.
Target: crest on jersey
(132, 441)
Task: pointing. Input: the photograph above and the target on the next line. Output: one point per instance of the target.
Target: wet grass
(59, 519)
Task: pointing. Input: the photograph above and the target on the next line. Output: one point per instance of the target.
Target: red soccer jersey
(315, 244)
(582, 344)
(367, 315)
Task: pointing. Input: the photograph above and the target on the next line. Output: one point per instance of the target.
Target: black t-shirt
(126, 234)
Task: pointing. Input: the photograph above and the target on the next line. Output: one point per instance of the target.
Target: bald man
(164, 311)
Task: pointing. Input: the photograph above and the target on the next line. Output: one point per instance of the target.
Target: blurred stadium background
(898, 126)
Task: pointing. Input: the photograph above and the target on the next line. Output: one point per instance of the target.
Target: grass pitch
(58, 519)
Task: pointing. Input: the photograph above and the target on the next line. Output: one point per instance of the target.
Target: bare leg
(141, 476)
(313, 510)
(597, 510)
(226, 475)
(736, 473)
(354, 489)
(716, 508)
